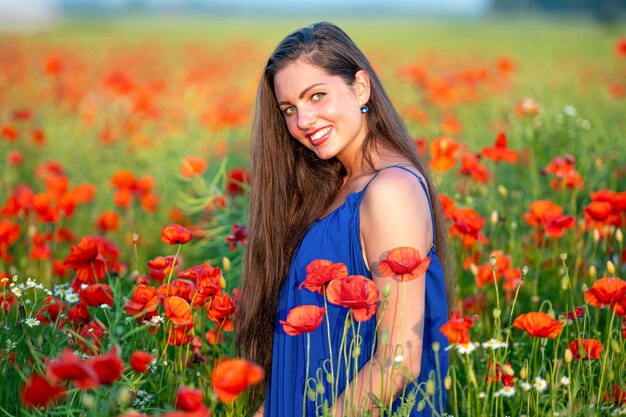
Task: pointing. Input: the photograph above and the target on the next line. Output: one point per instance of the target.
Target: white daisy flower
(71, 297)
(32, 322)
(540, 384)
(525, 386)
(506, 392)
(17, 292)
(466, 348)
(565, 380)
(494, 344)
(10, 344)
(481, 395)
(156, 320)
(105, 306)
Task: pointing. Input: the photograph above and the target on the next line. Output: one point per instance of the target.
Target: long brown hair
(291, 187)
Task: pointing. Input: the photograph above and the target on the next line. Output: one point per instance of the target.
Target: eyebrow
(302, 93)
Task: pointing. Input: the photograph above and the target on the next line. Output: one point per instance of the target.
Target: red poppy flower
(179, 335)
(607, 291)
(109, 366)
(140, 360)
(320, 272)
(91, 335)
(108, 221)
(471, 167)
(527, 107)
(355, 292)
(235, 180)
(189, 399)
(617, 395)
(144, 300)
(589, 349)
(500, 151)
(175, 234)
(15, 158)
(209, 282)
(456, 329)
(239, 234)
(50, 310)
(566, 176)
(404, 263)
(177, 310)
(9, 133)
(538, 324)
(231, 377)
(447, 205)
(193, 166)
(542, 212)
(9, 233)
(220, 308)
(467, 225)
(38, 392)
(85, 259)
(214, 337)
(495, 374)
(71, 367)
(78, 314)
(303, 319)
(444, 152)
(96, 295)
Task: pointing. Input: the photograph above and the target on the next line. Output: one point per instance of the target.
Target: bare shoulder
(397, 185)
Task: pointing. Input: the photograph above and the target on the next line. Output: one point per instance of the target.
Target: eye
(289, 111)
(317, 96)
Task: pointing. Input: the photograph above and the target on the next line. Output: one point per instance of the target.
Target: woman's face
(321, 111)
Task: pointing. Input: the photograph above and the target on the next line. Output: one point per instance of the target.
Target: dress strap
(432, 218)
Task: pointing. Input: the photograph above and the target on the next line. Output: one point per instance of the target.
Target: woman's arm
(394, 212)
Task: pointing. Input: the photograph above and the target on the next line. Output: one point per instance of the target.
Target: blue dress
(336, 237)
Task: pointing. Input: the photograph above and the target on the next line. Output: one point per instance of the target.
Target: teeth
(320, 133)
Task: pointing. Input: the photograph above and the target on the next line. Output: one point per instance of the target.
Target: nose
(306, 118)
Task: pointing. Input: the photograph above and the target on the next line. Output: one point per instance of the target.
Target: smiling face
(321, 111)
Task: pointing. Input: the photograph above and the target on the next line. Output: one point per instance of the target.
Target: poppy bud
(619, 236)
(493, 260)
(615, 346)
(524, 270)
(523, 373)
(494, 217)
(430, 387)
(447, 382)
(592, 271)
(226, 264)
(596, 235)
(496, 313)
(502, 191)
(610, 267)
(474, 269)
(386, 290)
(507, 369)
(435, 346)
(565, 282)
(563, 256)
(568, 356)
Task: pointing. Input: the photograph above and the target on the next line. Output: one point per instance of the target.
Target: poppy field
(123, 198)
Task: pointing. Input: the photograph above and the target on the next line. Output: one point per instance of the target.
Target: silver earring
(364, 109)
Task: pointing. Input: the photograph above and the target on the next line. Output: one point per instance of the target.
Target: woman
(336, 176)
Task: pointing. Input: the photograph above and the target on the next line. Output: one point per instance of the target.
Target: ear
(361, 86)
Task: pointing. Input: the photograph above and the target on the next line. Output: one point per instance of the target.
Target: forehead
(291, 80)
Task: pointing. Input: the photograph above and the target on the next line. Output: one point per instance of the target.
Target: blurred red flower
(189, 399)
(471, 167)
(96, 295)
(108, 367)
(456, 329)
(235, 180)
(9, 133)
(538, 324)
(193, 166)
(620, 47)
(175, 234)
(444, 152)
(500, 151)
(71, 367)
(231, 377)
(239, 234)
(144, 301)
(220, 308)
(78, 315)
(566, 176)
(92, 335)
(140, 360)
(356, 293)
(38, 392)
(468, 224)
(303, 319)
(320, 272)
(404, 263)
(89, 265)
(108, 221)
(607, 291)
(50, 310)
(588, 349)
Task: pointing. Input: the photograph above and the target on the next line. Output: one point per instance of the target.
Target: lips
(319, 136)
